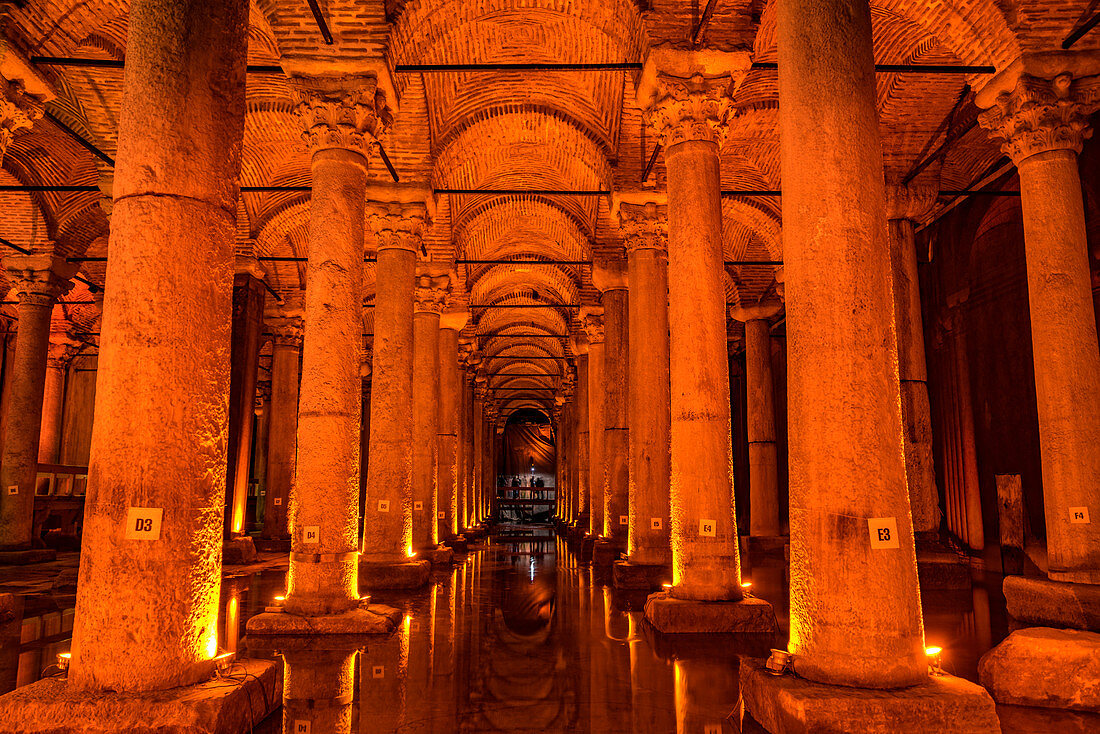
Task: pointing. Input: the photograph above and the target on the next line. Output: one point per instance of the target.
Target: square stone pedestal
(375, 619)
(231, 704)
(787, 704)
(27, 557)
(458, 543)
(406, 575)
(629, 575)
(1040, 602)
(239, 550)
(1042, 666)
(441, 556)
(605, 552)
(586, 544)
(670, 615)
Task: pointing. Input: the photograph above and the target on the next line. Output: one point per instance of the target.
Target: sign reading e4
(143, 523)
(708, 528)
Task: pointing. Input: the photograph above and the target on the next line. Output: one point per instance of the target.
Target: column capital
(248, 264)
(263, 395)
(39, 279)
(609, 275)
(1036, 114)
(286, 331)
(397, 225)
(18, 111)
(686, 95)
(430, 293)
(61, 350)
(591, 319)
(579, 342)
(644, 226)
(454, 320)
(347, 113)
(757, 312)
(912, 201)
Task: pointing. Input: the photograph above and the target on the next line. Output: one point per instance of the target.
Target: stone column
(851, 534)
(448, 478)
(489, 469)
(150, 566)
(59, 355)
(429, 297)
(611, 280)
(1040, 112)
(244, 359)
(480, 446)
(388, 516)
(261, 410)
(686, 98)
(583, 442)
(286, 345)
(904, 205)
(38, 281)
(646, 238)
(593, 323)
(764, 520)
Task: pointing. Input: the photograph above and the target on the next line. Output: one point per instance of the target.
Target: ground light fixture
(63, 659)
(276, 604)
(934, 654)
(779, 662)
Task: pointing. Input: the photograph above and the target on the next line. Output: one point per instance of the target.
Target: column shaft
(425, 439)
(53, 403)
(597, 481)
(147, 602)
(648, 400)
(584, 461)
(616, 435)
(763, 458)
(447, 478)
(282, 436)
(248, 310)
(846, 457)
(324, 505)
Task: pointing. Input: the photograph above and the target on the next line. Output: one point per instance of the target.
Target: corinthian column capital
(591, 319)
(39, 280)
(644, 227)
(61, 351)
(430, 293)
(348, 113)
(686, 95)
(1037, 114)
(397, 225)
(286, 331)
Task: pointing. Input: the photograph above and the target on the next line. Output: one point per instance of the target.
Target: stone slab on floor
(375, 619)
(670, 615)
(788, 704)
(1040, 602)
(605, 553)
(239, 551)
(230, 705)
(441, 556)
(1046, 667)
(407, 575)
(27, 557)
(629, 575)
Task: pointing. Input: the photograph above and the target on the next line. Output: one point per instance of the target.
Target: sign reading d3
(143, 523)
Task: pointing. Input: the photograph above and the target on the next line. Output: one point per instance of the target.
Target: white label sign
(1079, 515)
(378, 671)
(277, 501)
(443, 516)
(623, 519)
(311, 534)
(418, 506)
(883, 532)
(303, 727)
(656, 523)
(383, 505)
(13, 489)
(143, 523)
(708, 528)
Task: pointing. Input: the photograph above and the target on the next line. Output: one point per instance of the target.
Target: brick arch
(521, 227)
(499, 280)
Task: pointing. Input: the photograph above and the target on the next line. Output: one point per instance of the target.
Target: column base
(586, 544)
(767, 545)
(227, 705)
(396, 575)
(375, 619)
(273, 545)
(942, 569)
(459, 544)
(27, 557)
(1039, 602)
(628, 575)
(438, 556)
(787, 704)
(605, 552)
(1045, 667)
(750, 615)
(238, 551)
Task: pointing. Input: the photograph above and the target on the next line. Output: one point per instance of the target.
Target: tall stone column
(282, 450)
(261, 409)
(38, 281)
(611, 280)
(429, 298)
(492, 456)
(481, 447)
(448, 479)
(388, 516)
(904, 205)
(324, 505)
(59, 356)
(583, 440)
(686, 97)
(1040, 112)
(592, 321)
(764, 520)
(248, 317)
(156, 483)
(645, 230)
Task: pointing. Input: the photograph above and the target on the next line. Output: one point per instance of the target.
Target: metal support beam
(1080, 31)
(443, 68)
(322, 25)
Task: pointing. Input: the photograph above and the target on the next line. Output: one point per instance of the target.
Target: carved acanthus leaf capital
(644, 227)
(1041, 115)
(430, 293)
(397, 225)
(39, 280)
(592, 322)
(61, 350)
(286, 331)
(18, 111)
(348, 113)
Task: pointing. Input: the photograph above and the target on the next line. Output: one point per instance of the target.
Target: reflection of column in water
(599, 664)
(382, 678)
(769, 582)
(651, 685)
(419, 678)
(443, 667)
(706, 695)
(318, 688)
(983, 627)
(11, 610)
(616, 627)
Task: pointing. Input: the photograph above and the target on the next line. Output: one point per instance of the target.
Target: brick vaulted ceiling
(571, 130)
